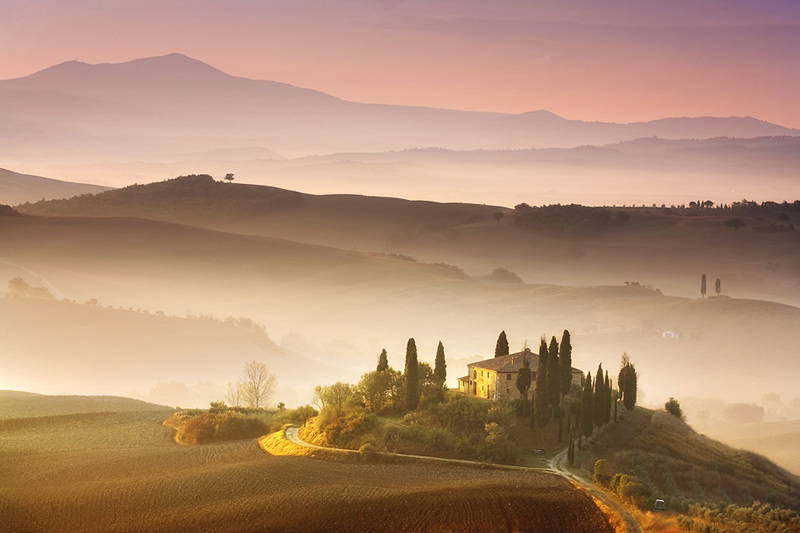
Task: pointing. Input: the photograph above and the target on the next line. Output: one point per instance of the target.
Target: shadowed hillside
(16, 404)
(17, 188)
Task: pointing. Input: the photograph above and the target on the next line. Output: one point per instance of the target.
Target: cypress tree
(440, 366)
(553, 377)
(383, 361)
(718, 286)
(412, 375)
(565, 361)
(703, 285)
(622, 373)
(541, 398)
(501, 348)
(587, 407)
(599, 397)
(524, 382)
(630, 387)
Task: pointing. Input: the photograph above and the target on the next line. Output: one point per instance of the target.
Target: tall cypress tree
(412, 375)
(541, 397)
(440, 366)
(630, 387)
(571, 451)
(501, 348)
(599, 397)
(383, 361)
(703, 285)
(565, 362)
(587, 407)
(524, 382)
(553, 377)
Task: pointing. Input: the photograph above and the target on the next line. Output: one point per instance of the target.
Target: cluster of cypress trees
(411, 372)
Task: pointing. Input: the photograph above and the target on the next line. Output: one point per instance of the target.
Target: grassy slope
(679, 464)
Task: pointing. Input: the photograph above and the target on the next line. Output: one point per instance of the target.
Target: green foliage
(412, 376)
(602, 473)
(565, 362)
(501, 348)
(334, 397)
(375, 390)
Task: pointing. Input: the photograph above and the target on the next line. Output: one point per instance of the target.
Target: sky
(616, 60)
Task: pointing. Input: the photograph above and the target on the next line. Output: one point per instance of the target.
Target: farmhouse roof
(511, 362)
(508, 363)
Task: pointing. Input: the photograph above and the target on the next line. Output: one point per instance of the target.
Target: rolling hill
(18, 188)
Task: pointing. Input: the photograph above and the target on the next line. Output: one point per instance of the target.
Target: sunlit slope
(122, 472)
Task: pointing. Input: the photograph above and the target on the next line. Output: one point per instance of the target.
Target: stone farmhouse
(496, 378)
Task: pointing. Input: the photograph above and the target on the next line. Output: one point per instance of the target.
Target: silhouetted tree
(501, 348)
(411, 375)
(498, 216)
(383, 361)
(718, 286)
(673, 407)
(553, 378)
(587, 407)
(599, 397)
(703, 285)
(542, 410)
(565, 362)
(626, 381)
(258, 384)
(524, 381)
(229, 177)
(440, 366)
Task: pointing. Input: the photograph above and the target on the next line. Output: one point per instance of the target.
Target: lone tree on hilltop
(718, 286)
(383, 361)
(501, 348)
(673, 407)
(258, 384)
(565, 362)
(412, 375)
(524, 381)
(703, 285)
(440, 367)
(228, 177)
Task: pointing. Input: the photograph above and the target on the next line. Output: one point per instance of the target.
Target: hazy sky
(616, 60)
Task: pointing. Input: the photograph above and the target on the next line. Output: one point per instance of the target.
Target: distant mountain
(18, 188)
(175, 104)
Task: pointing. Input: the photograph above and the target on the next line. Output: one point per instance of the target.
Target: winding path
(557, 465)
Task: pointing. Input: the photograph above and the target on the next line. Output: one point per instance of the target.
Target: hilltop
(19, 404)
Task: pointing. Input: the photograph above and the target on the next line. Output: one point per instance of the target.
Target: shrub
(602, 473)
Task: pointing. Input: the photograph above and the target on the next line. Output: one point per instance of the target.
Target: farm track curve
(123, 472)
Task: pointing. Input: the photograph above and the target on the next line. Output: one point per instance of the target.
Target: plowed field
(122, 472)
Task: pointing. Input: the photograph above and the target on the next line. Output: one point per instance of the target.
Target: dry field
(123, 472)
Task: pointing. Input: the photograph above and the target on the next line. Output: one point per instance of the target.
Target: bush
(602, 473)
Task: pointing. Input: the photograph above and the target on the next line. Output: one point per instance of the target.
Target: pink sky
(628, 60)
